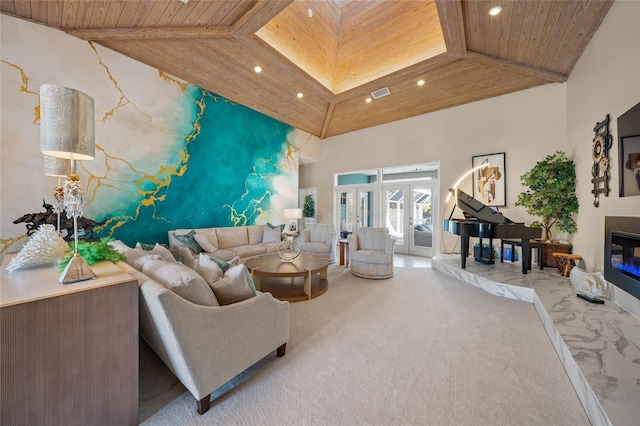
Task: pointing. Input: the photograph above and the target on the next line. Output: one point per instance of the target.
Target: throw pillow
(143, 246)
(222, 264)
(255, 234)
(204, 242)
(134, 257)
(163, 252)
(271, 235)
(182, 280)
(209, 269)
(140, 261)
(190, 242)
(158, 249)
(234, 286)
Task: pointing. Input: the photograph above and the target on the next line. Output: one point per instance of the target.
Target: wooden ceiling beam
(259, 15)
(452, 23)
(327, 120)
(549, 76)
(97, 34)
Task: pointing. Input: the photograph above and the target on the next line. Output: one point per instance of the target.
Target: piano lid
(474, 208)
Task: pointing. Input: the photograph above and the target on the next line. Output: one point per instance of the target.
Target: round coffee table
(311, 268)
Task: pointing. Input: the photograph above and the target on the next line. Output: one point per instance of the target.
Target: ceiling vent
(380, 93)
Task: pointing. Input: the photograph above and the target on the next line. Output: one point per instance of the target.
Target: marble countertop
(599, 345)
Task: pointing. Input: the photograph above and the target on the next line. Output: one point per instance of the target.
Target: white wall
(527, 126)
(606, 80)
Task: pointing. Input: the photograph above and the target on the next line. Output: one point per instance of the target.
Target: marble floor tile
(599, 345)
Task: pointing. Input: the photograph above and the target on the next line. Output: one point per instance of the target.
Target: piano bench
(513, 243)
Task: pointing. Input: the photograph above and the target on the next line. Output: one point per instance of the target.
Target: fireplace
(622, 253)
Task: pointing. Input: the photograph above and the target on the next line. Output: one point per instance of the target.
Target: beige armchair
(371, 253)
(320, 239)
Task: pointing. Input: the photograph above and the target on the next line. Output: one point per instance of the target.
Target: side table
(344, 252)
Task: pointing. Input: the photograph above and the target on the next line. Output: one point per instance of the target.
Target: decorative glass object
(288, 249)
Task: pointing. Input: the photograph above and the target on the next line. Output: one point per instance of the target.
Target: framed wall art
(307, 201)
(489, 183)
(629, 152)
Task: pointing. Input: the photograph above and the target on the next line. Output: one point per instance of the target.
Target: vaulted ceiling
(336, 52)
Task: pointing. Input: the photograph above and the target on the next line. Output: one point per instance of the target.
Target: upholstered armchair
(371, 253)
(320, 239)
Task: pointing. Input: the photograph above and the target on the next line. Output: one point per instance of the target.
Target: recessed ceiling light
(495, 11)
(310, 13)
(184, 1)
(299, 95)
(368, 100)
(420, 82)
(258, 68)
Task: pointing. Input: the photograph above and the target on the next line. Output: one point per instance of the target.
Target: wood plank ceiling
(336, 52)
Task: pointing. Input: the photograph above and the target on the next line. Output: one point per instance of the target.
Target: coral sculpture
(44, 246)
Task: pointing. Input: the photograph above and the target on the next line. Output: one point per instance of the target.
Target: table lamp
(292, 215)
(67, 130)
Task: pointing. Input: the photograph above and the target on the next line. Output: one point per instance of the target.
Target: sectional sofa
(207, 324)
(226, 243)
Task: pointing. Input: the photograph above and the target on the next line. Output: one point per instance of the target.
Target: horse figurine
(33, 220)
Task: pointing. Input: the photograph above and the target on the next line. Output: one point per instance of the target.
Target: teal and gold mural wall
(168, 154)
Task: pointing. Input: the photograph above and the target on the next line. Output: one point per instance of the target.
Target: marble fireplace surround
(599, 345)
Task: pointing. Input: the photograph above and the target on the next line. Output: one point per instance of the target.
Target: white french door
(356, 208)
(409, 214)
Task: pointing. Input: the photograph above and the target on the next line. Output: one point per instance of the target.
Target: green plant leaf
(93, 252)
(551, 194)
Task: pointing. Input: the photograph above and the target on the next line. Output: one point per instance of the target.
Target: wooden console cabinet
(68, 354)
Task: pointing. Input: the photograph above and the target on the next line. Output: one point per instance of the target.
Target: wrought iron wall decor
(600, 152)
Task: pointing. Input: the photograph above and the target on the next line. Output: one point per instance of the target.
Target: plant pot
(550, 247)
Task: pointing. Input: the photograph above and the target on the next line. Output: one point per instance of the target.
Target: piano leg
(526, 255)
(464, 250)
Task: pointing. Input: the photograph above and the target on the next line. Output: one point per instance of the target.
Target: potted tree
(552, 196)
(309, 210)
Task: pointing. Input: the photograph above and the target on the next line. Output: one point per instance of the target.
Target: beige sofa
(204, 344)
(225, 243)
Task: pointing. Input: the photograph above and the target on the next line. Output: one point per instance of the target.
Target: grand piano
(482, 222)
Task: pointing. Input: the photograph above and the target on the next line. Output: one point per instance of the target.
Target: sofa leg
(204, 404)
(281, 350)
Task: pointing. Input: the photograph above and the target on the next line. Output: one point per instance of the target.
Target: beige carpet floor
(421, 348)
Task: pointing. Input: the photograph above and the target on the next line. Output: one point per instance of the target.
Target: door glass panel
(422, 217)
(366, 209)
(347, 214)
(395, 214)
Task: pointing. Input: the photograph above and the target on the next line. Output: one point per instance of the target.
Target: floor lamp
(67, 130)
